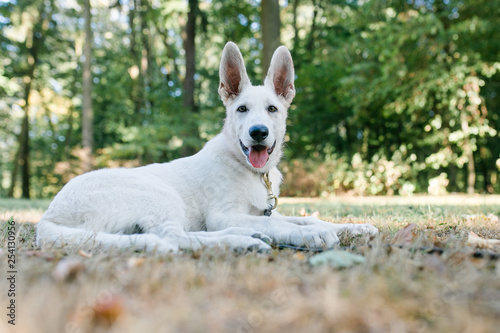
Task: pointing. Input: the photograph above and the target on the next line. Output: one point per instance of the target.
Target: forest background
(393, 97)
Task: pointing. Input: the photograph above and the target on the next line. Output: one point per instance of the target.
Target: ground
(394, 290)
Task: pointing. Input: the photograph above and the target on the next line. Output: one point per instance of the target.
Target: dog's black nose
(259, 132)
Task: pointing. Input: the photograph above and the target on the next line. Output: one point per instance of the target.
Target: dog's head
(256, 115)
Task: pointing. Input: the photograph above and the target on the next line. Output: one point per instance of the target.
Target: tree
(33, 45)
(87, 112)
(271, 25)
(189, 79)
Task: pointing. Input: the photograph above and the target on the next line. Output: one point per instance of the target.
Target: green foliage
(390, 97)
(403, 80)
(337, 175)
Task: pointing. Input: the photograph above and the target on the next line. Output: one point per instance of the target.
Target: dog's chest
(258, 197)
(257, 200)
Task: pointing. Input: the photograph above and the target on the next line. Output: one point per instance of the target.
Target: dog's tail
(50, 234)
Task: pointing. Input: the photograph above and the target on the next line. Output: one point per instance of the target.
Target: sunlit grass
(22, 210)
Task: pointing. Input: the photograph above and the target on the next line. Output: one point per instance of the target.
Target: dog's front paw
(242, 244)
(253, 244)
(265, 238)
(245, 232)
(362, 229)
(313, 236)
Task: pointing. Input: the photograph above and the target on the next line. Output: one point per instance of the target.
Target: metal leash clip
(270, 194)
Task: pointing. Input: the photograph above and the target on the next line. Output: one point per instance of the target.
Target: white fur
(215, 198)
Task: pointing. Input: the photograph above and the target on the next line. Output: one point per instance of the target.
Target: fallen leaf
(67, 269)
(303, 212)
(336, 259)
(483, 243)
(85, 254)
(106, 311)
(135, 261)
(299, 256)
(405, 236)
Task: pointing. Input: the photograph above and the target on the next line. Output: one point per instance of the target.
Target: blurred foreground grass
(216, 291)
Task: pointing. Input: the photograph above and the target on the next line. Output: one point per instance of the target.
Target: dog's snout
(259, 132)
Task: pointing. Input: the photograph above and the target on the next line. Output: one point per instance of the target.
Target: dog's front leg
(355, 229)
(281, 231)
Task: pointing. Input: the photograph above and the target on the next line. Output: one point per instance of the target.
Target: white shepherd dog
(222, 197)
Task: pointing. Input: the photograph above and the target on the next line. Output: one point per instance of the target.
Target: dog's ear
(232, 73)
(281, 75)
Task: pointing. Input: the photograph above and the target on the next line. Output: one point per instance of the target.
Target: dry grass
(399, 291)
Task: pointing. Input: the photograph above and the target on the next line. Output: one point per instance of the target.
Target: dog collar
(270, 195)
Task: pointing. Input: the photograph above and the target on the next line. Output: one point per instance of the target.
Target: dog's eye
(272, 108)
(242, 108)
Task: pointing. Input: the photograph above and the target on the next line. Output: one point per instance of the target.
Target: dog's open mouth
(257, 155)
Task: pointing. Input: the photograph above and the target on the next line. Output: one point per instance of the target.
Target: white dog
(223, 196)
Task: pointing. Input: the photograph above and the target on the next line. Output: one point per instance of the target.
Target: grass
(22, 209)
(213, 291)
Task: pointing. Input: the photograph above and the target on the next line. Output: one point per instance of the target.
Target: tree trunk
(471, 172)
(134, 71)
(25, 153)
(147, 60)
(146, 67)
(312, 32)
(270, 19)
(66, 151)
(13, 177)
(87, 113)
(295, 29)
(190, 49)
(22, 158)
(189, 148)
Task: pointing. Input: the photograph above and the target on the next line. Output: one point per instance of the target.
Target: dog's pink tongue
(258, 158)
